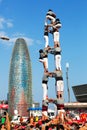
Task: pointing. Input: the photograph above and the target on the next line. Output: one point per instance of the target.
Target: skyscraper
(20, 79)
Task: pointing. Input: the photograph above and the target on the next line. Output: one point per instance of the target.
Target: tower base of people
(52, 28)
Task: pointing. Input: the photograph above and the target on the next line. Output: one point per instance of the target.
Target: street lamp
(4, 38)
(67, 80)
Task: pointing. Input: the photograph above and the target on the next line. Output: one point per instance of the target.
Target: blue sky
(22, 18)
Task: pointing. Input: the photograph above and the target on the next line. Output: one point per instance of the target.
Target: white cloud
(2, 33)
(14, 37)
(38, 42)
(17, 34)
(5, 23)
(29, 41)
(2, 21)
(9, 24)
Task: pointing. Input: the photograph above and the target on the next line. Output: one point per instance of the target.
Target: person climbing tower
(43, 57)
(52, 25)
(56, 51)
(55, 26)
(51, 16)
(46, 35)
(45, 79)
(59, 84)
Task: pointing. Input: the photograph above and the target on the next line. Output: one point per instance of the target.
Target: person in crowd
(61, 113)
(84, 126)
(3, 127)
(21, 119)
(7, 123)
(31, 121)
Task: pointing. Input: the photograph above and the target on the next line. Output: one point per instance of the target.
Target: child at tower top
(51, 16)
(55, 26)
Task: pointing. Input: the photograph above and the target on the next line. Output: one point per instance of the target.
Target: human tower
(52, 26)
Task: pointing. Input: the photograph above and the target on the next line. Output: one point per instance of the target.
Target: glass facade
(20, 79)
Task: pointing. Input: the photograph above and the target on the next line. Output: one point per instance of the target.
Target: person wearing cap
(51, 16)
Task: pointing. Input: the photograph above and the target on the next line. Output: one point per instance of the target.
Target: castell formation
(52, 26)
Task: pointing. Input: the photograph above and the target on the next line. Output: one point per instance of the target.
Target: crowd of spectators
(63, 121)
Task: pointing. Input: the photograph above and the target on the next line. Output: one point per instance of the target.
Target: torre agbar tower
(20, 79)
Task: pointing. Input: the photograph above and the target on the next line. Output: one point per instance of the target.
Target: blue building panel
(20, 79)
